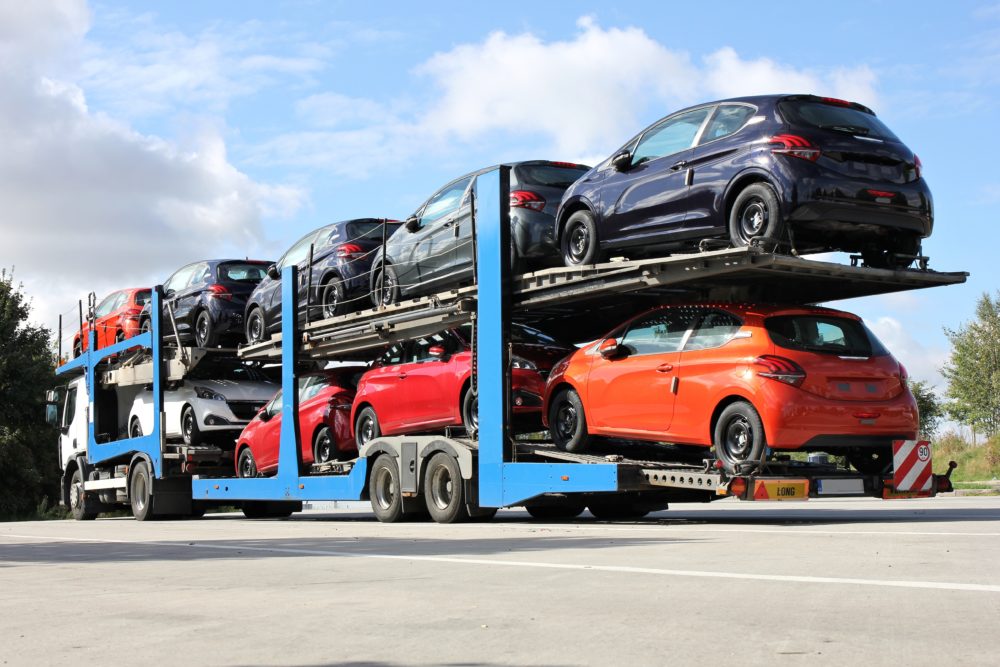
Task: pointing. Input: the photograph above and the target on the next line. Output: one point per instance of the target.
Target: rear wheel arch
(722, 405)
(565, 213)
(740, 183)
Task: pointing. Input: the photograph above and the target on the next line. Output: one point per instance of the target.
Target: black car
(342, 255)
(208, 300)
(801, 172)
(433, 250)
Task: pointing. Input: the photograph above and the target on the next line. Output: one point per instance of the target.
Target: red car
(115, 319)
(739, 378)
(324, 424)
(423, 385)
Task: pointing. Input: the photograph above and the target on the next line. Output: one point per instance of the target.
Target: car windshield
(553, 174)
(369, 229)
(826, 334)
(232, 371)
(814, 113)
(242, 272)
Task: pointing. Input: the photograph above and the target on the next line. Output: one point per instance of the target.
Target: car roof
(764, 310)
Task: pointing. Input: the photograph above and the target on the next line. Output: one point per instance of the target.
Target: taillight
(349, 250)
(918, 166)
(780, 369)
(904, 377)
(526, 199)
(794, 146)
(836, 102)
(220, 292)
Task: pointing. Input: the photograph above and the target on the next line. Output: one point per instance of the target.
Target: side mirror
(169, 294)
(272, 272)
(609, 348)
(264, 415)
(437, 351)
(412, 224)
(622, 161)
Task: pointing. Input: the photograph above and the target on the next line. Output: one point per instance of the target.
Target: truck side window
(69, 412)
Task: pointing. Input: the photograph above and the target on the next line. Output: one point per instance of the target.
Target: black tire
(616, 509)
(246, 465)
(256, 330)
(189, 428)
(568, 422)
(470, 412)
(738, 436)
(563, 512)
(756, 212)
(324, 449)
(135, 428)
(146, 326)
(444, 490)
(874, 461)
(383, 490)
(140, 493)
(77, 499)
(204, 331)
(332, 299)
(579, 240)
(366, 427)
(385, 287)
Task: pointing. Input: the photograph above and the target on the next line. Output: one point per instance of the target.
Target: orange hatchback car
(739, 378)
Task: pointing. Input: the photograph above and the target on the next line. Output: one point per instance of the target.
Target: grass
(976, 463)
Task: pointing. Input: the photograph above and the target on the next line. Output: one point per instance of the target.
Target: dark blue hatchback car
(794, 173)
(342, 255)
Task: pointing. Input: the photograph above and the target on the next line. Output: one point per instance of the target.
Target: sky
(136, 137)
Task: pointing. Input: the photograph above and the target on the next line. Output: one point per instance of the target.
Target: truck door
(73, 425)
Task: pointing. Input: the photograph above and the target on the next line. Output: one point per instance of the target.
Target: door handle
(664, 368)
(402, 376)
(678, 165)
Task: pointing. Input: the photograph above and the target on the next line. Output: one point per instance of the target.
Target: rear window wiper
(852, 129)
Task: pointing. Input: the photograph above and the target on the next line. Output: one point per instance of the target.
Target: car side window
(421, 347)
(671, 136)
(180, 279)
(446, 201)
(107, 305)
(274, 407)
(715, 330)
(659, 332)
(298, 253)
(392, 356)
(726, 120)
(201, 275)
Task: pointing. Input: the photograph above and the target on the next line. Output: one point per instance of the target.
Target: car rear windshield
(243, 272)
(369, 229)
(554, 175)
(814, 113)
(824, 334)
(142, 297)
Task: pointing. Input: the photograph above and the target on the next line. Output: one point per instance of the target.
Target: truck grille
(245, 410)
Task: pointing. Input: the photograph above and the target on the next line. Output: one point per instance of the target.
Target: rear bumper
(533, 234)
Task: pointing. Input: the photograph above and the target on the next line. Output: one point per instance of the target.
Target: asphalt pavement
(863, 582)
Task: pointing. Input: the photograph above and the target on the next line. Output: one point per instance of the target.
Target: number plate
(781, 489)
(840, 487)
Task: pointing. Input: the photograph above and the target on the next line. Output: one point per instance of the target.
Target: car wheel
(332, 299)
(146, 326)
(135, 428)
(366, 427)
(616, 509)
(756, 213)
(579, 239)
(204, 331)
(444, 490)
(873, 461)
(383, 490)
(140, 493)
(386, 290)
(470, 413)
(77, 498)
(256, 328)
(189, 428)
(568, 423)
(246, 465)
(738, 436)
(565, 511)
(323, 448)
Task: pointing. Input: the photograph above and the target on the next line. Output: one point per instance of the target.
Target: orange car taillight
(780, 369)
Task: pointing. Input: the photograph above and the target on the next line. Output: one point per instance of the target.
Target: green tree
(973, 370)
(29, 464)
(930, 408)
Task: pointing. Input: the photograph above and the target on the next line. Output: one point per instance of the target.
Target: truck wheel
(204, 330)
(383, 489)
(568, 423)
(189, 428)
(246, 466)
(739, 435)
(579, 239)
(366, 427)
(755, 212)
(140, 493)
(77, 500)
(470, 413)
(556, 512)
(444, 490)
(323, 448)
(616, 510)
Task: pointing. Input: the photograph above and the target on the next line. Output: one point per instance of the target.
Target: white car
(217, 398)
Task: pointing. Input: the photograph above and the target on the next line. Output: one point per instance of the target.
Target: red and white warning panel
(911, 464)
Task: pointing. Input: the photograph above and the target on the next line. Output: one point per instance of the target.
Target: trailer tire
(738, 436)
(568, 422)
(189, 428)
(140, 493)
(444, 491)
(77, 498)
(555, 512)
(383, 489)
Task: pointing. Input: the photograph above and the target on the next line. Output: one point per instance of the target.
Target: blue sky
(158, 134)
